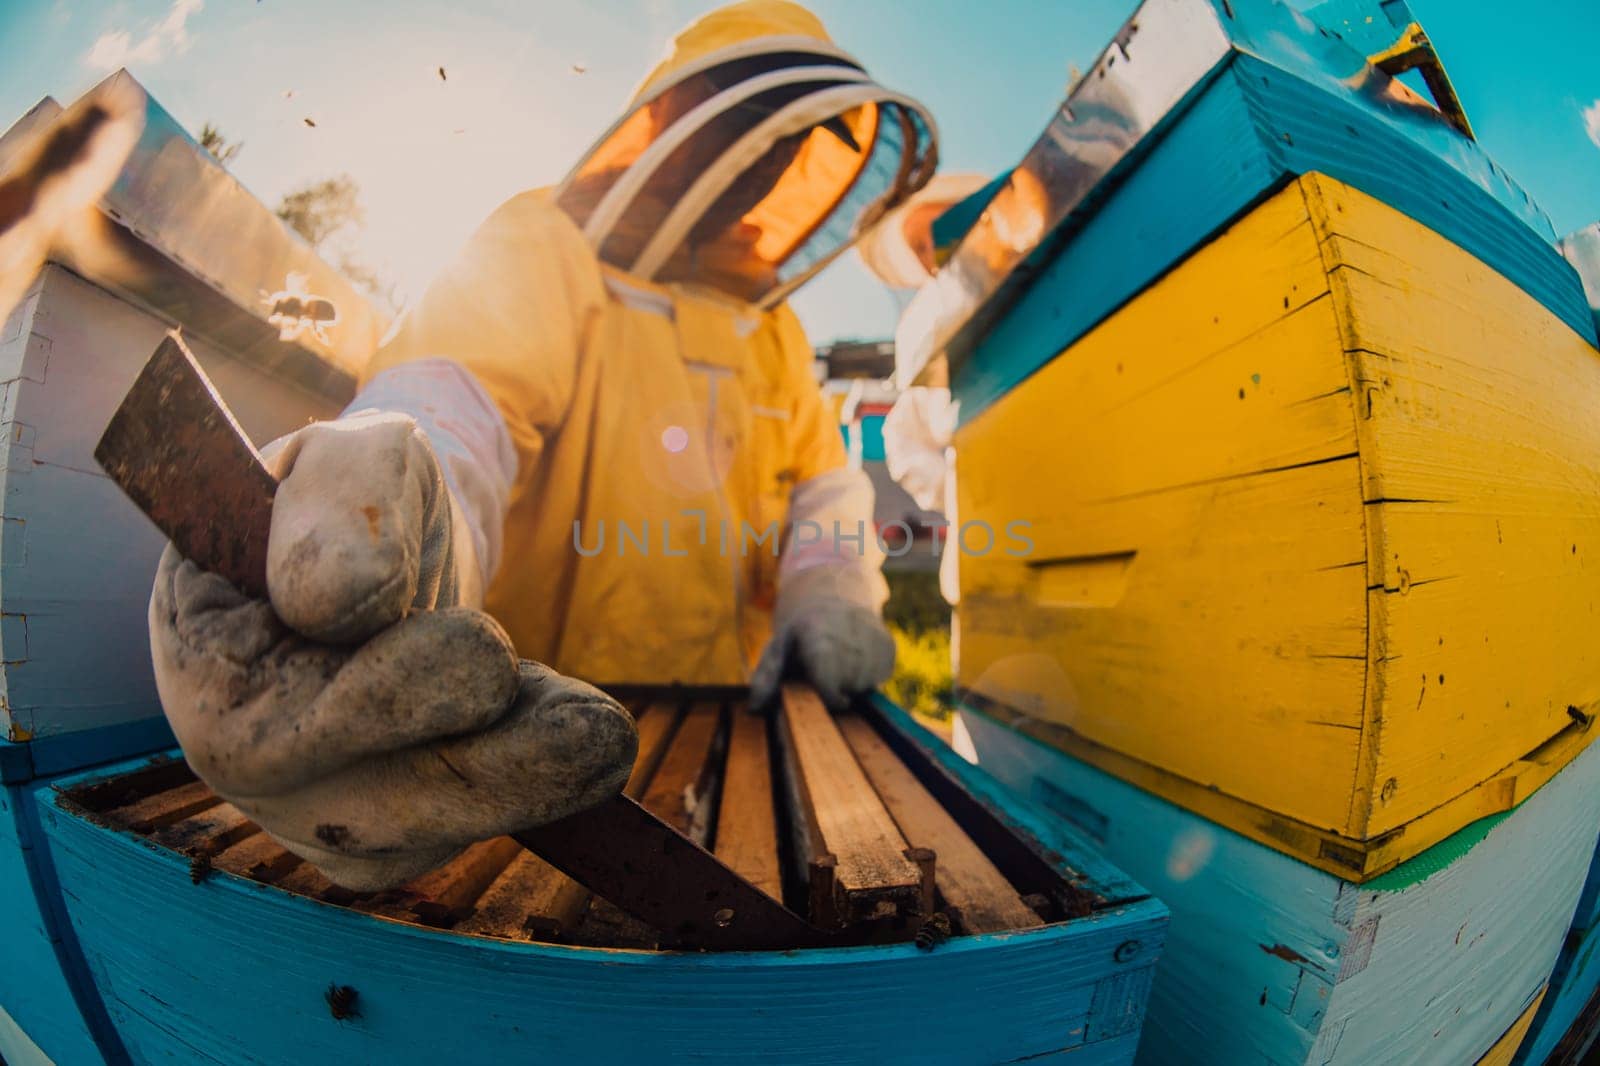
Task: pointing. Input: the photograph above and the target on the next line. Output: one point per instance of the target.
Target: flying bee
(294, 310)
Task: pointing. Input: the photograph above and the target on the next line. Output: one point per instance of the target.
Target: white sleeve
(916, 443)
(469, 438)
(832, 545)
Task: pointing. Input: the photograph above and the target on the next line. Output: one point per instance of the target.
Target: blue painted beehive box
(1568, 1021)
(237, 967)
(1271, 960)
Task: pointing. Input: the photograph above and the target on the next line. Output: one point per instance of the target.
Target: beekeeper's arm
(368, 716)
(827, 626)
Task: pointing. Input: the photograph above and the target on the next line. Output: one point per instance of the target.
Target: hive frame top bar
(1155, 66)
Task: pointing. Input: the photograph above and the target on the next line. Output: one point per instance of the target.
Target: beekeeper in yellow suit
(600, 426)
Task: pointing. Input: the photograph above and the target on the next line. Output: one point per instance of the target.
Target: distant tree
(328, 215)
(323, 208)
(212, 140)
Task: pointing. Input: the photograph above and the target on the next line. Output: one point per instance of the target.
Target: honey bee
(294, 310)
(935, 931)
(342, 1002)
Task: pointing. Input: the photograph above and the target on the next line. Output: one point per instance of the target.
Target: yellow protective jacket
(668, 412)
(636, 441)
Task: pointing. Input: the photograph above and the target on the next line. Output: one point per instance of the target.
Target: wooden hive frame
(835, 816)
(233, 969)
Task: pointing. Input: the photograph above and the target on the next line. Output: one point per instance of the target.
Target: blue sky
(433, 157)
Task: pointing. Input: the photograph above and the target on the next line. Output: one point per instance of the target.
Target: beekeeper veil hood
(755, 153)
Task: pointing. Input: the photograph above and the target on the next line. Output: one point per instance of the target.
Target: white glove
(397, 733)
(823, 632)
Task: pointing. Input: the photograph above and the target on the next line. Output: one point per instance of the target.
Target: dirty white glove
(823, 632)
(361, 717)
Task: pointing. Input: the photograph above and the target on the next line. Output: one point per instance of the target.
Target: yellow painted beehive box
(1315, 527)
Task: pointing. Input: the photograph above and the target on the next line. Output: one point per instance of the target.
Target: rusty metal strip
(621, 851)
(177, 452)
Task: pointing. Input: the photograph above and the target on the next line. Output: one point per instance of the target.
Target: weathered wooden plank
(85, 590)
(856, 855)
(1480, 459)
(158, 775)
(306, 880)
(1505, 1049)
(1225, 541)
(530, 899)
(443, 896)
(747, 827)
(259, 857)
(1568, 1021)
(971, 886)
(1297, 965)
(208, 832)
(655, 725)
(682, 790)
(164, 808)
(463, 879)
(1369, 504)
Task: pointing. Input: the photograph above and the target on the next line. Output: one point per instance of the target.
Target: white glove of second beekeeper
(369, 717)
(828, 630)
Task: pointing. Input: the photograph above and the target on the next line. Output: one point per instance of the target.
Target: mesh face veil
(749, 167)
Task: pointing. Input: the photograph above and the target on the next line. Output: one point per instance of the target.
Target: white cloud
(1591, 122)
(117, 48)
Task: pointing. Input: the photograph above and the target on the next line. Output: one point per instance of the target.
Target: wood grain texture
(211, 831)
(165, 808)
(747, 828)
(1561, 1019)
(78, 556)
(529, 899)
(681, 791)
(1587, 915)
(40, 984)
(1272, 960)
(258, 857)
(239, 973)
(1281, 112)
(306, 880)
(1480, 460)
(445, 895)
(1332, 538)
(655, 724)
(1206, 433)
(967, 881)
(1505, 1049)
(869, 868)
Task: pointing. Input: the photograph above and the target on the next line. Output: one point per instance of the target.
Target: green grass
(922, 680)
(919, 620)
